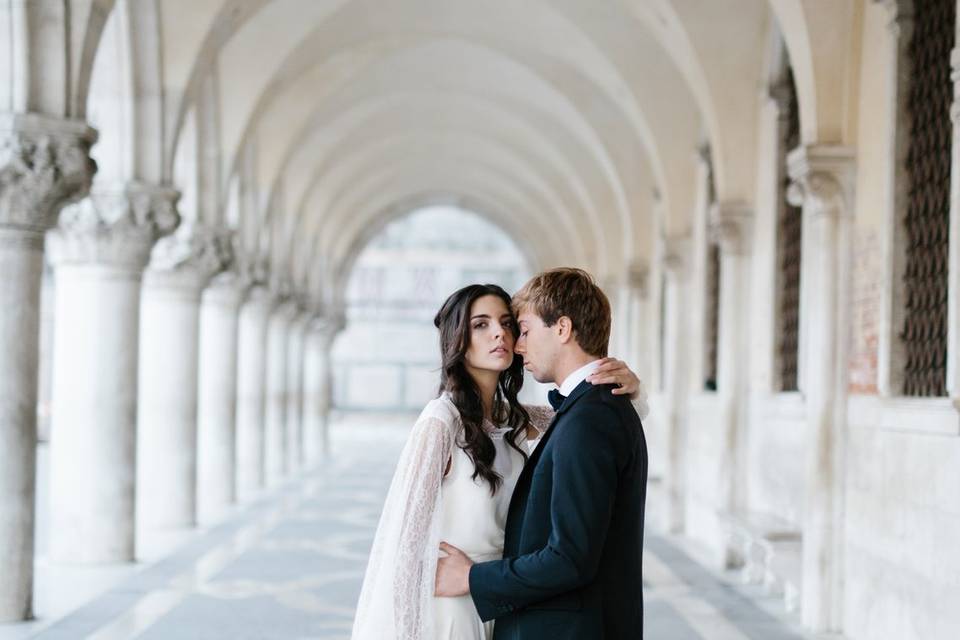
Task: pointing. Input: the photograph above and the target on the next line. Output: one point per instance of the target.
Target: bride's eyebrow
(481, 315)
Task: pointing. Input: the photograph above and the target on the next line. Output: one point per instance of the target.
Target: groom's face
(538, 344)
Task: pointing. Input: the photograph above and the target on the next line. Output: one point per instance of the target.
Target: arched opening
(387, 358)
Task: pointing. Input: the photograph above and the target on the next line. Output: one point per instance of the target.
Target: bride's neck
(487, 384)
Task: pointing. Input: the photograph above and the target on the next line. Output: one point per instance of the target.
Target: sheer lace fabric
(423, 507)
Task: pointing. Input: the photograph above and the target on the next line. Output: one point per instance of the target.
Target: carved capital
(955, 78)
(192, 256)
(899, 14)
(116, 226)
(674, 259)
(45, 164)
(730, 226)
(227, 289)
(638, 277)
(822, 179)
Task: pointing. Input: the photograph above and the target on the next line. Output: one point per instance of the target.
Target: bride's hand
(613, 371)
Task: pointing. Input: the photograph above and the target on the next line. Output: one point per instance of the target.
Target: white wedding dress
(425, 507)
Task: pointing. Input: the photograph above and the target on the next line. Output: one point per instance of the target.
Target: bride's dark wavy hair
(453, 321)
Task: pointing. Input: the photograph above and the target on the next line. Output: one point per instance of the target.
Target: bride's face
(491, 335)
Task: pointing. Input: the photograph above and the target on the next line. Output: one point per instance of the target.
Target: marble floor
(289, 566)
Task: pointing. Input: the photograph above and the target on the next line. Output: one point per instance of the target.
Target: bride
(456, 473)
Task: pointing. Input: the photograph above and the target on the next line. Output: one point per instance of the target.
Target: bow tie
(556, 398)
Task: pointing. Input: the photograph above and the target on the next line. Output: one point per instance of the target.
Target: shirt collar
(574, 379)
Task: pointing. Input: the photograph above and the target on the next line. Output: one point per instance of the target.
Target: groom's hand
(453, 572)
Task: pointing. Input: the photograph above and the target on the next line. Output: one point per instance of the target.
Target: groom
(571, 565)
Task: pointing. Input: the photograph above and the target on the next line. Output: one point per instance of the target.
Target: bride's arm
(399, 582)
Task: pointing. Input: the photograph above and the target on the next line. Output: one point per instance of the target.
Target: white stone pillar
(729, 223)
(99, 252)
(44, 164)
(275, 436)
(251, 387)
(217, 396)
(823, 184)
(675, 263)
(316, 383)
(169, 358)
(296, 336)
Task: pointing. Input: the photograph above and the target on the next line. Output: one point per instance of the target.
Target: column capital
(899, 13)
(955, 78)
(115, 226)
(675, 257)
(638, 276)
(45, 164)
(822, 179)
(729, 226)
(227, 288)
(190, 258)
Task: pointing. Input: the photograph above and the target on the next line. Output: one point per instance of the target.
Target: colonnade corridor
(288, 565)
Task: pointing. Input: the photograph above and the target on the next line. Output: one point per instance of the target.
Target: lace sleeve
(540, 416)
(396, 597)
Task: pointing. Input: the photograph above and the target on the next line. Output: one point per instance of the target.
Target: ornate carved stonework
(191, 257)
(822, 179)
(115, 226)
(675, 255)
(45, 164)
(730, 226)
(638, 277)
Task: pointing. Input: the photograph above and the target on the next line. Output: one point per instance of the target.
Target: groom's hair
(572, 293)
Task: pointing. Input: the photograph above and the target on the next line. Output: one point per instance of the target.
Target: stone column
(251, 386)
(316, 384)
(44, 164)
(729, 227)
(217, 395)
(275, 436)
(169, 357)
(296, 339)
(676, 337)
(99, 252)
(637, 352)
(823, 179)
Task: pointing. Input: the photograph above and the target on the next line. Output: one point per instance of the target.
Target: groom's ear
(564, 329)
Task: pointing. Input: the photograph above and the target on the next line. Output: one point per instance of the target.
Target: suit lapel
(527, 471)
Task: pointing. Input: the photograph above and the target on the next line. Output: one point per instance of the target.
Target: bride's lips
(499, 350)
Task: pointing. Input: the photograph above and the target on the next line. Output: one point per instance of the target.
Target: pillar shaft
(729, 226)
(823, 185)
(21, 263)
(294, 411)
(169, 359)
(251, 387)
(99, 252)
(217, 396)
(676, 336)
(316, 389)
(275, 436)
(44, 164)
(166, 447)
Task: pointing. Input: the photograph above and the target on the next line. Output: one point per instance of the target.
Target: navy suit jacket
(571, 565)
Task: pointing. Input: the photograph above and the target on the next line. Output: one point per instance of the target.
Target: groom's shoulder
(599, 406)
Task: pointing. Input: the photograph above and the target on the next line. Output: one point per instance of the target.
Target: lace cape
(396, 598)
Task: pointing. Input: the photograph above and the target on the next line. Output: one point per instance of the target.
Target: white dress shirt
(574, 379)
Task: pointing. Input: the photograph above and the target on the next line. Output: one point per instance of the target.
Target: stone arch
(338, 279)
(824, 72)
